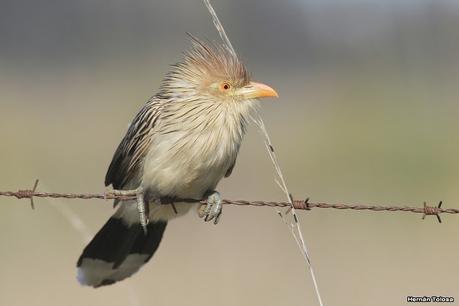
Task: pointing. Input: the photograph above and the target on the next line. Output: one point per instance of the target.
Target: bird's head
(211, 72)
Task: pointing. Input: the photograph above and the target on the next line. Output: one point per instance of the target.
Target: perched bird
(180, 145)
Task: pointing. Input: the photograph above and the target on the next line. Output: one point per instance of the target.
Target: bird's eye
(225, 86)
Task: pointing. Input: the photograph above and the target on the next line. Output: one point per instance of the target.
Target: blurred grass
(376, 127)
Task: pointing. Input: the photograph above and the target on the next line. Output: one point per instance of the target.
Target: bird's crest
(216, 60)
(203, 64)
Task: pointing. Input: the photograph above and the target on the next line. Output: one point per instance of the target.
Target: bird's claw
(213, 209)
(142, 209)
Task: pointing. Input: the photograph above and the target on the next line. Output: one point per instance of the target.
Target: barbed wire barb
(306, 205)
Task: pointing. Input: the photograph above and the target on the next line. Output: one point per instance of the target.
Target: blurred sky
(368, 114)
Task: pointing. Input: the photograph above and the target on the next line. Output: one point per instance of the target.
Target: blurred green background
(368, 113)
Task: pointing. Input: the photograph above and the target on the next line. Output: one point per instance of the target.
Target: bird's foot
(213, 209)
(142, 208)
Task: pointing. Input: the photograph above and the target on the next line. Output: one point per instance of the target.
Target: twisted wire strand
(298, 204)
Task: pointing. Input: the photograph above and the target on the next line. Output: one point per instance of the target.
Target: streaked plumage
(180, 145)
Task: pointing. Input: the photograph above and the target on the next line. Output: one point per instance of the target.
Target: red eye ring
(225, 86)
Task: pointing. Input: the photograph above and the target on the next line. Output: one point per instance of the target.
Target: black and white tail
(118, 250)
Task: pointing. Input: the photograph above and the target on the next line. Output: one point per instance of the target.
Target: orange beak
(257, 90)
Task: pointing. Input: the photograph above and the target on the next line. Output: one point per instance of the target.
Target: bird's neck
(207, 116)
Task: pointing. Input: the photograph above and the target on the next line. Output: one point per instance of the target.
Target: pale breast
(186, 163)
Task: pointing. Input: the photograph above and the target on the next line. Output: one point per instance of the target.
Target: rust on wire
(26, 193)
(432, 211)
(426, 210)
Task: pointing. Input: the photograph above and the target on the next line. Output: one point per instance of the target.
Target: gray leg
(141, 207)
(142, 210)
(213, 209)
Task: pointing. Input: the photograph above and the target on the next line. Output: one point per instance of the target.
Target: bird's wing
(134, 146)
(230, 169)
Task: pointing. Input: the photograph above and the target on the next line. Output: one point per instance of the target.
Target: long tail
(119, 249)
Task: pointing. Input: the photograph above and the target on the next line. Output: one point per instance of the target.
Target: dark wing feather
(132, 149)
(230, 169)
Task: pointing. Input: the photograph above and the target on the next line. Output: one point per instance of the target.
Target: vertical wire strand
(220, 29)
(298, 236)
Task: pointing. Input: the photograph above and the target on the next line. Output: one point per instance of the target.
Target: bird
(181, 143)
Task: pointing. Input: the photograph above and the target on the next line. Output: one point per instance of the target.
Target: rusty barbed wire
(426, 210)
